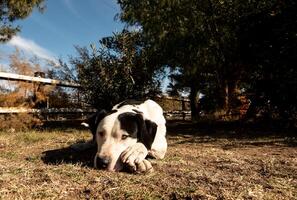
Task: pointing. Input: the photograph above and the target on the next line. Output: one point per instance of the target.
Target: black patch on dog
(130, 102)
(137, 127)
(137, 111)
(147, 132)
(151, 128)
(94, 120)
(129, 123)
(112, 111)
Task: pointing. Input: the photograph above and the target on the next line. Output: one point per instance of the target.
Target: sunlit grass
(195, 167)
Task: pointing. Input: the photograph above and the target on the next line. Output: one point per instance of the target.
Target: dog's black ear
(94, 120)
(146, 131)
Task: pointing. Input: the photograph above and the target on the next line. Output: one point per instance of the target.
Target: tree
(12, 10)
(172, 36)
(201, 37)
(24, 94)
(129, 48)
(269, 43)
(114, 71)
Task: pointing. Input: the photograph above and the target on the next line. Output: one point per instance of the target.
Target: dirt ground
(201, 163)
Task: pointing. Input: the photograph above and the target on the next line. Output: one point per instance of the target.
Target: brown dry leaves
(22, 94)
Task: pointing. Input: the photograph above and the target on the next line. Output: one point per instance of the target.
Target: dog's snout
(102, 162)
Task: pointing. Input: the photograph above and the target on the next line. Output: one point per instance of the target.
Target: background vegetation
(224, 50)
(221, 54)
(12, 10)
(218, 52)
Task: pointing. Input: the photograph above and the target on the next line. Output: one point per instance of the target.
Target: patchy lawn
(198, 165)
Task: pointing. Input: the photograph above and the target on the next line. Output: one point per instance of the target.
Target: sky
(64, 23)
(52, 35)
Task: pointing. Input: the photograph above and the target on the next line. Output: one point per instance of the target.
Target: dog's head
(115, 131)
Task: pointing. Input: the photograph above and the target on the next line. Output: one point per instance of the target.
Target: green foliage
(12, 10)
(269, 44)
(117, 70)
(223, 46)
(103, 79)
(131, 53)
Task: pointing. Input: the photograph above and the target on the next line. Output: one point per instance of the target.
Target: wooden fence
(48, 114)
(174, 108)
(37, 79)
(14, 110)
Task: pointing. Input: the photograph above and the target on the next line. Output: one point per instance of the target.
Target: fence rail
(175, 111)
(177, 115)
(48, 111)
(46, 81)
(12, 110)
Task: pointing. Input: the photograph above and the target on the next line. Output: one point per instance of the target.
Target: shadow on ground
(78, 153)
(243, 134)
(238, 136)
(71, 155)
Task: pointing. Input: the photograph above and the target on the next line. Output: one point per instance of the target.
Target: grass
(198, 165)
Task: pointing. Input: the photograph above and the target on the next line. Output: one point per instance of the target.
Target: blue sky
(64, 23)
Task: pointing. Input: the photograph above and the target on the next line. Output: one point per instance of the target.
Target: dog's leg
(157, 154)
(159, 146)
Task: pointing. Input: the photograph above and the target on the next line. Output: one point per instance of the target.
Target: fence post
(38, 87)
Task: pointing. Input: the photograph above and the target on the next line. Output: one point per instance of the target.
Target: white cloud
(30, 46)
(69, 5)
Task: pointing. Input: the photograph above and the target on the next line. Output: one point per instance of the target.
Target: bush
(19, 122)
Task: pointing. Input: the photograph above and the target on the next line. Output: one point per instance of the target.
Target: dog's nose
(102, 162)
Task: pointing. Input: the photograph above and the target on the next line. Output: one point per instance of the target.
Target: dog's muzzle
(101, 162)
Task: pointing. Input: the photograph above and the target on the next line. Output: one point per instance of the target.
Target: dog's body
(128, 133)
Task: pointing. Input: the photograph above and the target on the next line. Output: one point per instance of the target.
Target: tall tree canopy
(12, 10)
(269, 49)
(219, 46)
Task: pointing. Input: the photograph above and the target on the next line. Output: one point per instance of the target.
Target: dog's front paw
(144, 167)
(134, 155)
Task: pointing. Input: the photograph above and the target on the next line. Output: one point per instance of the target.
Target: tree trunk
(230, 92)
(226, 96)
(194, 101)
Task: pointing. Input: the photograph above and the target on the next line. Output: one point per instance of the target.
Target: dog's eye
(101, 134)
(124, 137)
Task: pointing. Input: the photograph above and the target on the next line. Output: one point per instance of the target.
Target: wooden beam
(11, 110)
(185, 99)
(46, 81)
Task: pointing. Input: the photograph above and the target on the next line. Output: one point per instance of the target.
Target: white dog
(127, 134)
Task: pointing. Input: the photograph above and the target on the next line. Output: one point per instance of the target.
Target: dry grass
(39, 165)
(19, 122)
